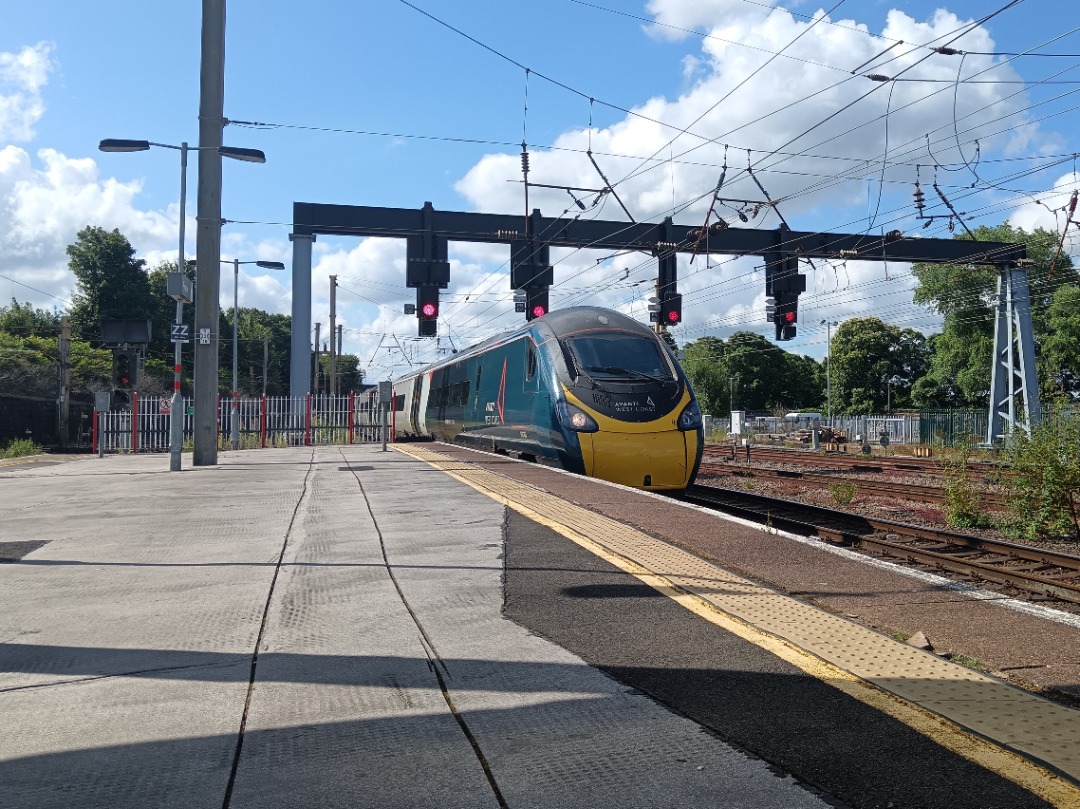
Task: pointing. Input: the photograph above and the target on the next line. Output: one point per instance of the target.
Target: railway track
(905, 491)
(1038, 573)
(855, 464)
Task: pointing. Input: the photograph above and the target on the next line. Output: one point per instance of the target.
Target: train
(584, 389)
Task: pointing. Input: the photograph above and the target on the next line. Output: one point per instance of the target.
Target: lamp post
(234, 415)
(828, 367)
(176, 411)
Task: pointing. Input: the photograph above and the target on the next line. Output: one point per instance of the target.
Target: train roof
(557, 323)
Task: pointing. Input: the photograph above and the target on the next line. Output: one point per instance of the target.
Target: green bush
(843, 492)
(1044, 484)
(20, 448)
(963, 505)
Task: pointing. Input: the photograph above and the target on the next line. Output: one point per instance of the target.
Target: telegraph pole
(315, 375)
(332, 387)
(65, 388)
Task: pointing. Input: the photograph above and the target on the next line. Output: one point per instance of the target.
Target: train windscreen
(618, 355)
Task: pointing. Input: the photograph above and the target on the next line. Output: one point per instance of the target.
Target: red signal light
(538, 311)
(673, 316)
(429, 310)
(789, 317)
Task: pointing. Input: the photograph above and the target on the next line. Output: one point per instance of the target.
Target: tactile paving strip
(989, 707)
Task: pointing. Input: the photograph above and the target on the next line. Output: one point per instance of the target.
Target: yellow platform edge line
(1043, 783)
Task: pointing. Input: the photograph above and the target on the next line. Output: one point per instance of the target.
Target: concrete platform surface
(307, 628)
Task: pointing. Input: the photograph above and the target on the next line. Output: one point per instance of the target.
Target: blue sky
(321, 73)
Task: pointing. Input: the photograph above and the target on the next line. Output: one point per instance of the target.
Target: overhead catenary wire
(761, 170)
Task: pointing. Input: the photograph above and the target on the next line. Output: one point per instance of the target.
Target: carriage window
(530, 361)
(463, 396)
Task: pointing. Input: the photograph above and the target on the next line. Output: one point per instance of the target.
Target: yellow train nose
(661, 460)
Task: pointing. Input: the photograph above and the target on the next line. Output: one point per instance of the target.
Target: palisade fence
(267, 421)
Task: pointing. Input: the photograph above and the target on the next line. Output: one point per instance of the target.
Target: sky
(390, 103)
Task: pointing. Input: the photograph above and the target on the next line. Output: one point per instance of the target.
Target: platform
(351, 627)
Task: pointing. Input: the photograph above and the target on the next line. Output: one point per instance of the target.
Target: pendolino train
(584, 389)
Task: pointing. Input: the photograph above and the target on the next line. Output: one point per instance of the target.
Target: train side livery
(584, 389)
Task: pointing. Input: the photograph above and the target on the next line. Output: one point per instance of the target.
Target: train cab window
(619, 355)
(530, 361)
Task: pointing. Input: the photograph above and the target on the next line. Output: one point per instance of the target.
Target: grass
(900, 636)
(843, 492)
(970, 662)
(20, 448)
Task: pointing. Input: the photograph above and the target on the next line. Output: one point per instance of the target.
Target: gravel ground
(913, 512)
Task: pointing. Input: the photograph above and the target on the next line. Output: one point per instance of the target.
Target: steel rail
(1034, 570)
(905, 491)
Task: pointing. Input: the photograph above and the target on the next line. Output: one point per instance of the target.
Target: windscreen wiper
(616, 370)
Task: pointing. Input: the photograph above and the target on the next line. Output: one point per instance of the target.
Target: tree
(753, 372)
(26, 321)
(702, 362)
(875, 365)
(803, 382)
(28, 366)
(257, 327)
(959, 372)
(110, 283)
(1059, 360)
(760, 369)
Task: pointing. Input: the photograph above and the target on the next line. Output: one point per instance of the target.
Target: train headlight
(577, 419)
(690, 418)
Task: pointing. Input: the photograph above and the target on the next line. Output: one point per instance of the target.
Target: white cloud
(43, 208)
(772, 110)
(22, 77)
(1051, 212)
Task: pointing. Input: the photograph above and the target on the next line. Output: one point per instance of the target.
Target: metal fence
(934, 428)
(268, 421)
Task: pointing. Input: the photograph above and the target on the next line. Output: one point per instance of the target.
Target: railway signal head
(786, 317)
(671, 310)
(427, 309)
(124, 370)
(537, 303)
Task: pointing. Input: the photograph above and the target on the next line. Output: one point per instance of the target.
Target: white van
(806, 418)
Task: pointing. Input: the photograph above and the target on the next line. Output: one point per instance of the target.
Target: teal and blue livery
(584, 389)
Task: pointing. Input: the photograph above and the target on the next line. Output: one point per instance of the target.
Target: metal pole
(333, 335)
(315, 376)
(384, 407)
(828, 372)
(208, 244)
(234, 416)
(176, 410)
(64, 353)
(101, 434)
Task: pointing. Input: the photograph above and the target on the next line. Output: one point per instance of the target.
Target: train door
(415, 420)
(532, 368)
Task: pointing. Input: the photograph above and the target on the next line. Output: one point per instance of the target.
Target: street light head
(240, 153)
(119, 145)
(270, 265)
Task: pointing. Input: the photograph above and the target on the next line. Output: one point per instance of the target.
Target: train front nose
(655, 460)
